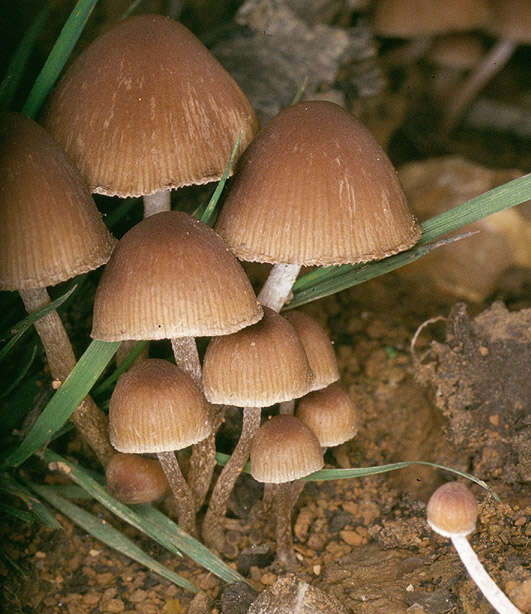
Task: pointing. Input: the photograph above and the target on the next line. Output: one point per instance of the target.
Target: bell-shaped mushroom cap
(131, 478)
(147, 107)
(172, 276)
(50, 228)
(156, 407)
(331, 415)
(317, 346)
(315, 188)
(257, 366)
(284, 449)
(452, 510)
(412, 18)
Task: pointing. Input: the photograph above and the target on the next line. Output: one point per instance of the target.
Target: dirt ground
(462, 399)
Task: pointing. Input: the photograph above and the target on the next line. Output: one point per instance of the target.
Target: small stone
(255, 556)
(237, 597)
(138, 596)
(351, 537)
(91, 598)
(268, 578)
(113, 605)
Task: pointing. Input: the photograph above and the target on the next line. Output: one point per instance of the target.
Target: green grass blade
(300, 91)
(23, 371)
(24, 325)
(131, 357)
(58, 56)
(329, 280)
(61, 406)
(12, 487)
(20, 58)
(9, 510)
(208, 213)
(146, 519)
(108, 535)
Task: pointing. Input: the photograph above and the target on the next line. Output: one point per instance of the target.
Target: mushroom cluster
(146, 109)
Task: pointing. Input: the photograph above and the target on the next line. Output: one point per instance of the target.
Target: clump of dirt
(482, 385)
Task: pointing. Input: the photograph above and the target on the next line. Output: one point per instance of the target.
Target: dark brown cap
(156, 407)
(284, 449)
(146, 107)
(172, 276)
(131, 478)
(50, 228)
(452, 510)
(258, 366)
(315, 188)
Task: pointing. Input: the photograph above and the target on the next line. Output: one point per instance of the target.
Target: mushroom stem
(181, 492)
(287, 407)
(490, 65)
(486, 584)
(277, 287)
(212, 529)
(203, 460)
(283, 506)
(157, 202)
(90, 421)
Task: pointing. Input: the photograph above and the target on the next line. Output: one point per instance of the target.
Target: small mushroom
(452, 512)
(132, 478)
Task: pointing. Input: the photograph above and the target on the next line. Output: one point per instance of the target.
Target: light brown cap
(257, 366)
(452, 510)
(461, 51)
(284, 449)
(131, 478)
(50, 228)
(511, 19)
(315, 187)
(331, 415)
(156, 407)
(412, 18)
(146, 107)
(172, 276)
(318, 348)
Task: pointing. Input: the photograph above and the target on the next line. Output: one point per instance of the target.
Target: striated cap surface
(452, 510)
(50, 228)
(172, 276)
(315, 188)
(147, 107)
(284, 449)
(258, 366)
(156, 407)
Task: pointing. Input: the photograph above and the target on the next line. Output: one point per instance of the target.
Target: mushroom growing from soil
(284, 450)
(132, 478)
(256, 367)
(452, 512)
(157, 408)
(172, 277)
(50, 231)
(314, 188)
(145, 109)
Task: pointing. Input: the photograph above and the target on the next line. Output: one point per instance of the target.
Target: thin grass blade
(24, 325)
(61, 406)
(11, 486)
(17, 65)
(109, 535)
(131, 357)
(24, 368)
(58, 56)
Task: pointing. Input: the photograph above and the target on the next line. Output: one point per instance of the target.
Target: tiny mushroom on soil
(452, 512)
(314, 188)
(284, 450)
(132, 478)
(256, 367)
(50, 231)
(157, 408)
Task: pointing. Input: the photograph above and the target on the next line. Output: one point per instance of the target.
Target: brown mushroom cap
(146, 107)
(131, 478)
(258, 366)
(452, 510)
(318, 348)
(511, 19)
(284, 449)
(172, 276)
(156, 407)
(315, 187)
(331, 415)
(412, 18)
(459, 51)
(50, 228)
